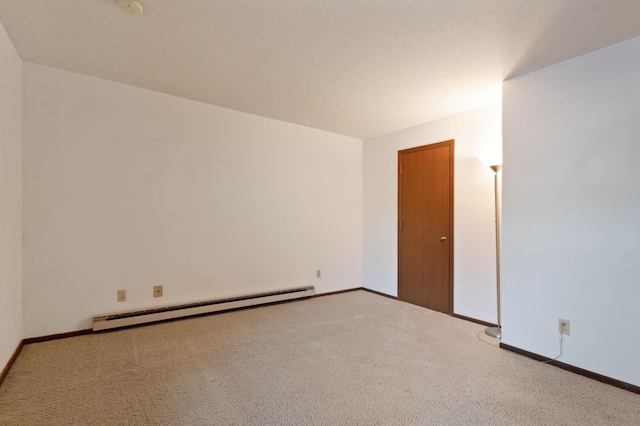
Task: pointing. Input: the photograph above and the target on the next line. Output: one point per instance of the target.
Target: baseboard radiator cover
(143, 316)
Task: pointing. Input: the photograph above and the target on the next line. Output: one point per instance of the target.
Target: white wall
(10, 198)
(571, 227)
(125, 188)
(476, 134)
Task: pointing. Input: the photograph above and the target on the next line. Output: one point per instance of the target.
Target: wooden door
(425, 226)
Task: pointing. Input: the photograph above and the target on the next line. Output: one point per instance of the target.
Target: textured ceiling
(356, 67)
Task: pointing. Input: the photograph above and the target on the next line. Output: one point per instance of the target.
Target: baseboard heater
(142, 316)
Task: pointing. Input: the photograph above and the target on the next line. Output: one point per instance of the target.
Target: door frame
(451, 144)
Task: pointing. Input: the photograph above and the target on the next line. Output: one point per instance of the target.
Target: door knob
(443, 238)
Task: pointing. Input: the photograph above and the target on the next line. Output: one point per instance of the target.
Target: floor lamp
(497, 331)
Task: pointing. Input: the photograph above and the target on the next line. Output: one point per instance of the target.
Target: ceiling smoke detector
(134, 7)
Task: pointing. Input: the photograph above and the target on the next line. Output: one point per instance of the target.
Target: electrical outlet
(564, 326)
(157, 291)
(318, 273)
(122, 295)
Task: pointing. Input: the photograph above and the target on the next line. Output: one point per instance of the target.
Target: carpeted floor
(348, 359)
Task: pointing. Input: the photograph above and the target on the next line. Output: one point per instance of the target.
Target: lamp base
(493, 332)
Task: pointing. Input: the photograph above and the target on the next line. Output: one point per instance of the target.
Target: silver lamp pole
(497, 331)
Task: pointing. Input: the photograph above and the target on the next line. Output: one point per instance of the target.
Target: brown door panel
(425, 234)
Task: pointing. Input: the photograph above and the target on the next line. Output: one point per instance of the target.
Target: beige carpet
(348, 359)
